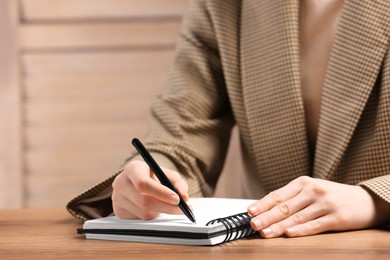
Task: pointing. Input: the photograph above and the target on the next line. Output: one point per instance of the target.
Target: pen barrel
(161, 176)
(186, 210)
(153, 164)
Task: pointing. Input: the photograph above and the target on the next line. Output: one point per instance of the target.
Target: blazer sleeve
(190, 122)
(379, 186)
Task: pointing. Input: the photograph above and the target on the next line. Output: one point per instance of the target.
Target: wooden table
(51, 234)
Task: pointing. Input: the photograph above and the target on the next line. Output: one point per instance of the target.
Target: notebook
(218, 220)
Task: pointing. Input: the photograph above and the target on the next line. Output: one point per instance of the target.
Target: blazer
(237, 63)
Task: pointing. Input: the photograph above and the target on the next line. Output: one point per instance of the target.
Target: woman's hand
(308, 206)
(137, 193)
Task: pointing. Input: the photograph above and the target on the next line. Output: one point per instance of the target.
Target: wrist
(382, 209)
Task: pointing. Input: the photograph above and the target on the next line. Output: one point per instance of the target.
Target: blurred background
(76, 81)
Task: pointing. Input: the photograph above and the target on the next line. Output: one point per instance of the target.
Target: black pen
(161, 176)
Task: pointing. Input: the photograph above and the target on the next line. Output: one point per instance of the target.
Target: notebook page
(204, 209)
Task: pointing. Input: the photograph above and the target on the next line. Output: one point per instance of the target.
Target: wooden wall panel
(76, 81)
(90, 70)
(11, 165)
(54, 10)
(81, 111)
(66, 67)
(141, 34)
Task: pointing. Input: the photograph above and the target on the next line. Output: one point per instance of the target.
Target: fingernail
(291, 232)
(253, 210)
(185, 197)
(174, 199)
(257, 223)
(267, 231)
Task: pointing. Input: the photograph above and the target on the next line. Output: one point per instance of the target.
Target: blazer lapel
(272, 91)
(354, 65)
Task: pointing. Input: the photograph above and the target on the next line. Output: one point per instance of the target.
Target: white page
(204, 209)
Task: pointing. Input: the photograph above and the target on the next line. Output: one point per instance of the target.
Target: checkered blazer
(237, 63)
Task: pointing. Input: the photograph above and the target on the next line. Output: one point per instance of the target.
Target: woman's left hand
(308, 206)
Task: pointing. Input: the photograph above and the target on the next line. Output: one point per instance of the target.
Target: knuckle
(115, 197)
(146, 215)
(315, 225)
(144, 203)
(298, 219)
(318, 190)
(120, 182)
(284, 208)
(117, 202)
(141, 184)
(325, 206)
(119, 212)
(116, 184)
(276, 197)
(304, 180)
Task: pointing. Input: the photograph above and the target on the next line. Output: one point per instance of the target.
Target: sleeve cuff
(380, 186)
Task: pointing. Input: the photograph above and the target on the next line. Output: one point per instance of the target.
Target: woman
(308, 85)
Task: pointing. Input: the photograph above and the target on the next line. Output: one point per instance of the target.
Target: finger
(147, 203)
(122, 185)
(281, 211)
(124, 214)
(312, 227)
(178, 182)
(274, 198)
(307, 214)
(123, 208)
(141, 206)
(143, 183)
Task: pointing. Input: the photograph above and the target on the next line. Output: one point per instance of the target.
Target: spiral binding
(237, 225)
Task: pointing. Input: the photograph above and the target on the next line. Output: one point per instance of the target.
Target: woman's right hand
(138, 194)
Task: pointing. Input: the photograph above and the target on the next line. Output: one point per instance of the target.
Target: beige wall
(76, 79)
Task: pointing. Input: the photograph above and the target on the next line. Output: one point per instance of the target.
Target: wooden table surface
(51, 234)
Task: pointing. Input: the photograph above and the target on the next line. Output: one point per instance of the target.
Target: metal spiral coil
(237, 226)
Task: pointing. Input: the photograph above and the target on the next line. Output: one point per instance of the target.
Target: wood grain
(51, 234)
